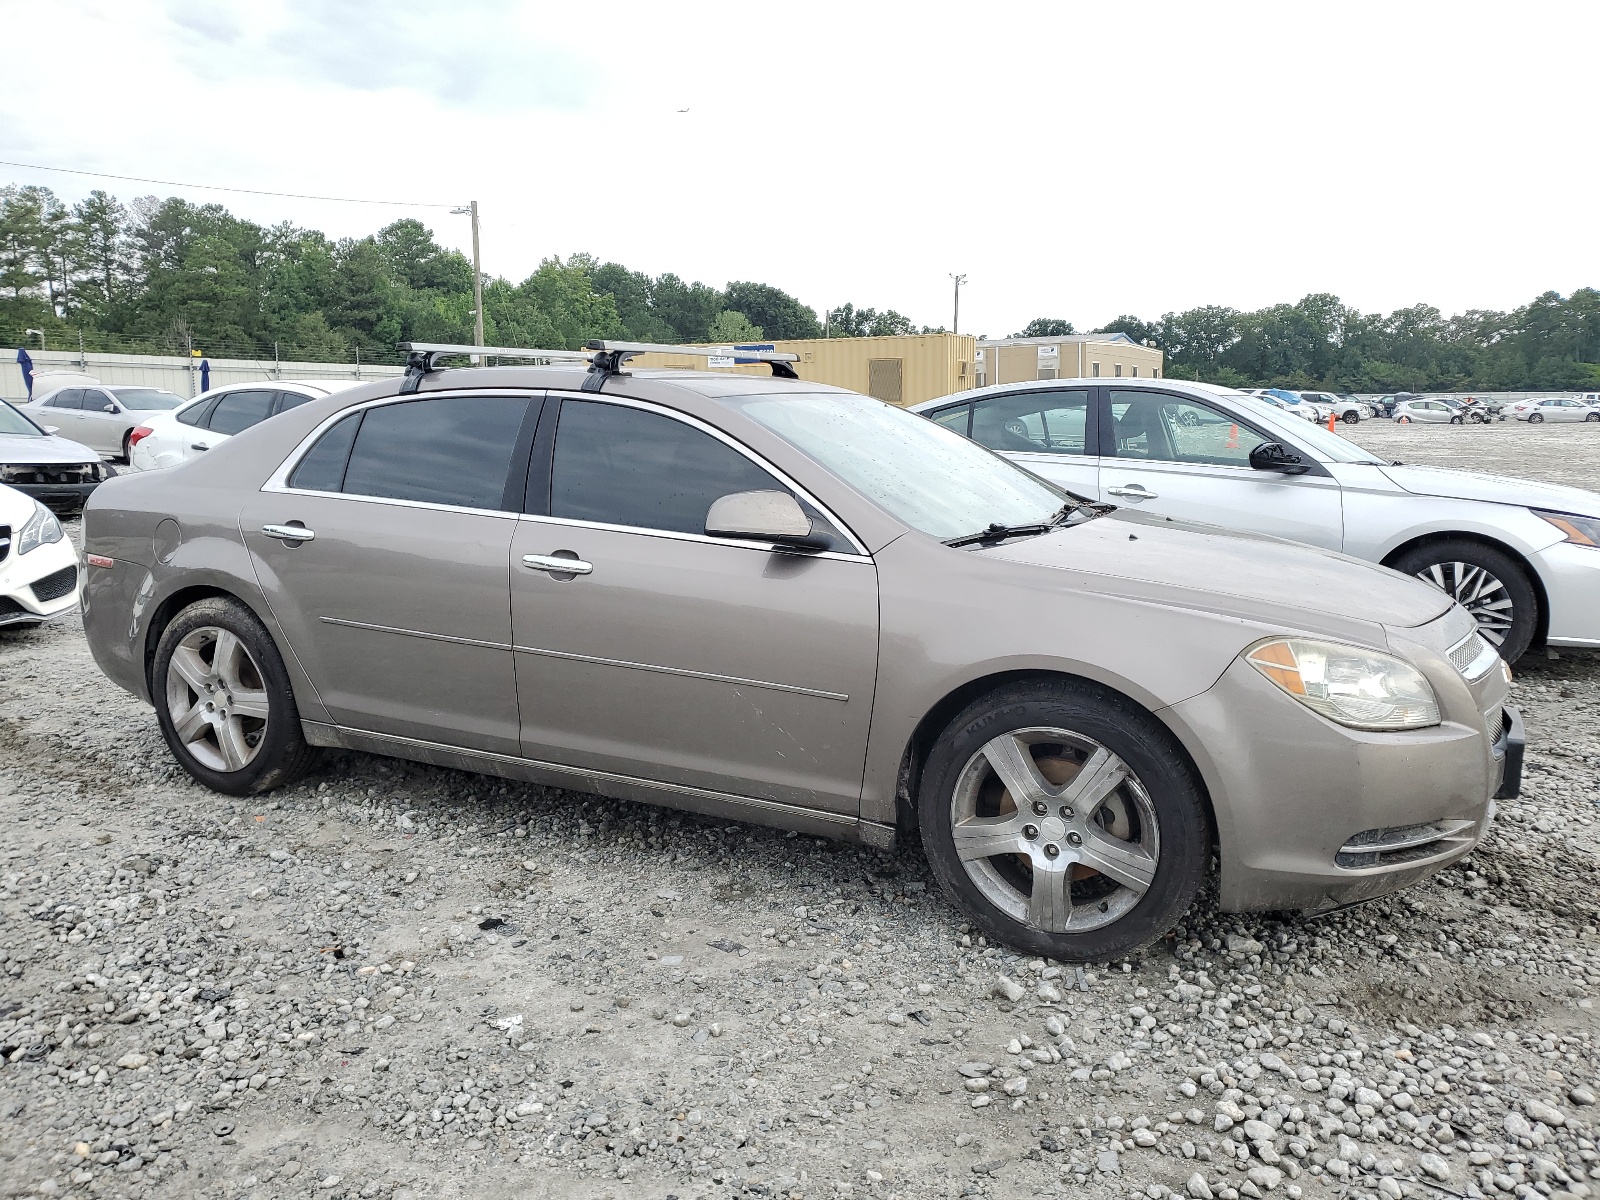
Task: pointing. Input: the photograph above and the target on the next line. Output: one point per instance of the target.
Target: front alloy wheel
(1055, 830)
(1063, 819)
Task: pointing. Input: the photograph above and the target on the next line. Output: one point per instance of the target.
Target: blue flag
(205, 374)
(26, 364)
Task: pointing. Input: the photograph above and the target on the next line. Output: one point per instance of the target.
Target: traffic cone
(1332, 417)
(1233, 438)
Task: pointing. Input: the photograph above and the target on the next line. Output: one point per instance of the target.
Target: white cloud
(1075, 161)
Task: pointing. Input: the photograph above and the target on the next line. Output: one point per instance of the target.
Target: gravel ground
(403, 981)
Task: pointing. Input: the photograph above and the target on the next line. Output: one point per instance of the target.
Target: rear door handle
(557, 564)
(1134, 492)
(289, 533)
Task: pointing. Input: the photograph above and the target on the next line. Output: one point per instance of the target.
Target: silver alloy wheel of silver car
(1479, 592)
(1065, 840)
(217, 699)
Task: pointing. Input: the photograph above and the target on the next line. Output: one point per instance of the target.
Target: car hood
(20, 448)
(1256, 578)
(1494, 489)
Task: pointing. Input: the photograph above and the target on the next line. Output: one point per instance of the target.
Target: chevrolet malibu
(771, 600)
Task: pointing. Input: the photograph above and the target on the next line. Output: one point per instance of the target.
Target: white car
(39, 574)
(101, 417)
(167, 439)
(1407, 412)
(1553, 408)
(1523, 557)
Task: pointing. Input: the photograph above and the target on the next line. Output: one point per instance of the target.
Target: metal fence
(171, 372)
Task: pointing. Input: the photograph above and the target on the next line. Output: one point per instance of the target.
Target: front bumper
(1312, 816)
(58, 497)
(39, 584)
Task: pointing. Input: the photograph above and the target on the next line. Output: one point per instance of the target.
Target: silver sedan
(101, 417)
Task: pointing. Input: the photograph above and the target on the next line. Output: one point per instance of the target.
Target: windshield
(1328, 446)
(13, 422)
(934, 480)
(146, 399)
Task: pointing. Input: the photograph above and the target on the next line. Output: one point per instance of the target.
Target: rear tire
(224, 702)
(1107, 845)
(1483, 579)
(1535, 418)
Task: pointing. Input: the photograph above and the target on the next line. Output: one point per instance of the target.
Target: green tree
(1046, 327)
(849, 321)
(732, 327)
(1134, 328)
(778, 313)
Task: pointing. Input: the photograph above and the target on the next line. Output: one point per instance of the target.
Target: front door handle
(1133, 491)
(198, 446)
(289, 533)
(558, 564)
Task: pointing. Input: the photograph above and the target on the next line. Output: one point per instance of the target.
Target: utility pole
(477, 275)
(955, 320)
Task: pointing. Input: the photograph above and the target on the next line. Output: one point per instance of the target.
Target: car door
(1182, 457)
(1049, 431)
(672, 656)
(234, 412)
(98, 428)
(64, 410)
(395, 601)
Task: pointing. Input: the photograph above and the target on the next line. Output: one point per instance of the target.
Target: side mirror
(111, 408)
(51, 429)
(763, 517)
(1271, 456)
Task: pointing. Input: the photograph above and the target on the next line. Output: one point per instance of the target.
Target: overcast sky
(1073, 160)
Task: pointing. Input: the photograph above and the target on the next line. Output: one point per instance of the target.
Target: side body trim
(723, 805)
(638, 666)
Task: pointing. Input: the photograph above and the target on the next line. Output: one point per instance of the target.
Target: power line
(209, 187)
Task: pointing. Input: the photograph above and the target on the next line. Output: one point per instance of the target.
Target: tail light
(139, 435)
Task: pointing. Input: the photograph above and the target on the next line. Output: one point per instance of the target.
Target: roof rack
(605, 358)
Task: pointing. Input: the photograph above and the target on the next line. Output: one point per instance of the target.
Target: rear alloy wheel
(224, 702)
(1488, 583)
(1064, 821)
(1535, 418)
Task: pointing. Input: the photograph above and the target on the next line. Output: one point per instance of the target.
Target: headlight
(42, 529)
(1362, 689)
(1580, 531)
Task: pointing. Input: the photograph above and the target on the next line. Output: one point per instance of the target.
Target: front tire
(1064, 821)
(1488, 583)
(1351, 418)
(1458, 420)
(224, 702)
(1591, 417)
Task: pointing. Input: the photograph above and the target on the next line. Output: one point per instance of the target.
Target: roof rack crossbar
(605, 358)
(611, 355)
(422, 358)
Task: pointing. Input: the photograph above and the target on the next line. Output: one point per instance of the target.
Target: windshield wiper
(997, 532)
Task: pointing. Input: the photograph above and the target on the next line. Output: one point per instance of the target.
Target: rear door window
(237, 411)
(197, 414)
(288, 400)
(1048, 422)
(957, 418)
(452, 450)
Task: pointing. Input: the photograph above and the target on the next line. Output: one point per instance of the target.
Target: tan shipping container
(902, 370)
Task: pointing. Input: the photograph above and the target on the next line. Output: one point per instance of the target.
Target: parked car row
(787, 603)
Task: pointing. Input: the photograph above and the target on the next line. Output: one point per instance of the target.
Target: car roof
(1180, 386)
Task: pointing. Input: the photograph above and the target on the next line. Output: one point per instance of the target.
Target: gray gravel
(400, 981)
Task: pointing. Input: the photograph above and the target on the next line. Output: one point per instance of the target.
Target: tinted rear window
(237, 411)
(453, 450)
